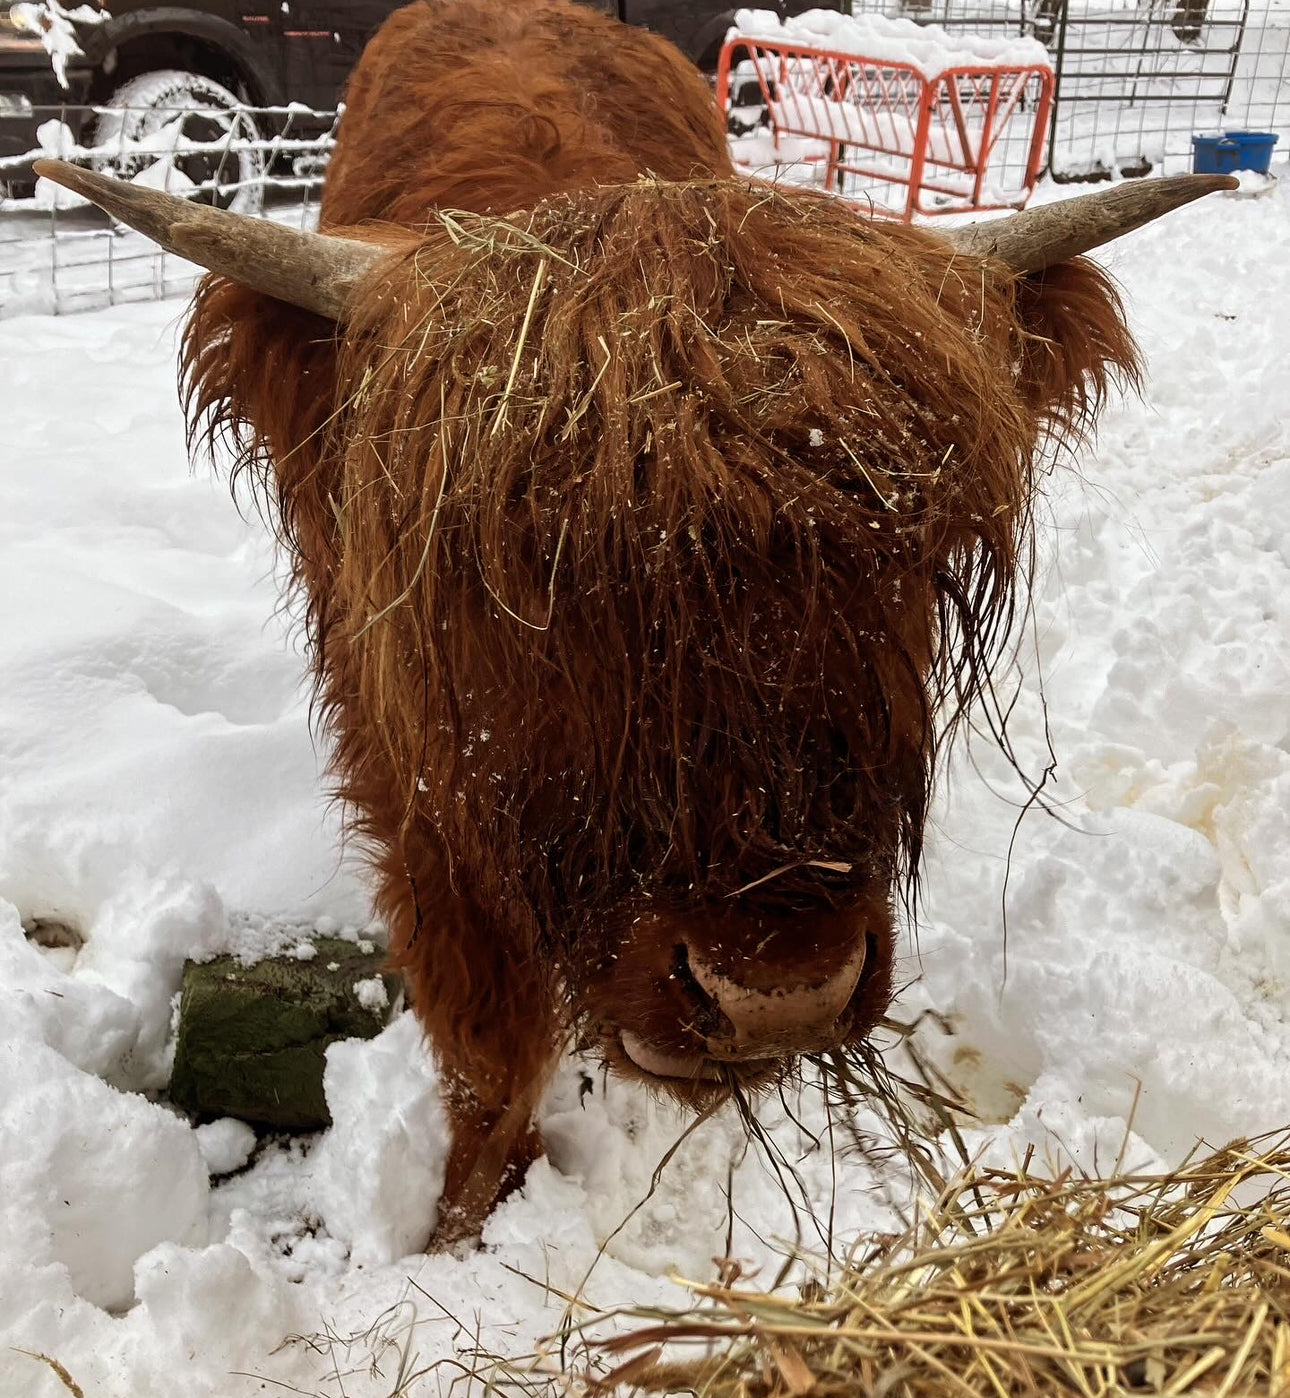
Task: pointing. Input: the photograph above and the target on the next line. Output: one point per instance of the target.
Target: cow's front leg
(493, 1144)
(489, 1010)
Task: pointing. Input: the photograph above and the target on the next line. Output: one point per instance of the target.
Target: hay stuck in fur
(1012, 1284)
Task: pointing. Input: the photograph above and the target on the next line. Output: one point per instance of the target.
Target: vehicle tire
(189, 133)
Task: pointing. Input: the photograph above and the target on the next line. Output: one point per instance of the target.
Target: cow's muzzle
(732, 996)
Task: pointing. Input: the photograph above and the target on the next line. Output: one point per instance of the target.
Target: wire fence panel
(59, 253)
(1136, 79)
(1135, 86)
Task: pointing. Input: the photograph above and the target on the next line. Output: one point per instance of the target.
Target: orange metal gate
(882, 132)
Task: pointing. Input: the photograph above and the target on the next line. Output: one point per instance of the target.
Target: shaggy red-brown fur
(652, 524)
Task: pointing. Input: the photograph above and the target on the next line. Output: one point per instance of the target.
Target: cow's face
(664, 536)
(664, 527)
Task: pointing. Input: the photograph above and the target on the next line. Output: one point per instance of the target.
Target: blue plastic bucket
(1255, 149)
(1213, 155)
(1233, 150)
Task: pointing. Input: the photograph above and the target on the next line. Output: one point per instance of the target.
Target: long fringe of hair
(673, 522)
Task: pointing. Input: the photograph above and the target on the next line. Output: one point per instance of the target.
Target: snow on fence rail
(59, 254)
(888, 112)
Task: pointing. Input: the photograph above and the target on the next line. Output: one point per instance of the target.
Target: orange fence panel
(883, 132)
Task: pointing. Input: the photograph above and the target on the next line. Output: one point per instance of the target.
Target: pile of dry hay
(1017, 1284)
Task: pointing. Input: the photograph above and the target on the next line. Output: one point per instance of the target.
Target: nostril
(706, 1018)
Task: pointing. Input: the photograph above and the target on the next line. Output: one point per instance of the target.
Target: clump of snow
(160, 797)
(927, 48)
(372, 994)
(110, 1012)
(379, 1170)
(255, 935)
(91, 1179)
(226, 1144)
(181, 1291)
(56, 142)
(1254, 183)
(57, 24)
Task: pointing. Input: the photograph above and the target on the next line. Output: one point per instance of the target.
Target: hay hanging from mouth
(1012, 1283)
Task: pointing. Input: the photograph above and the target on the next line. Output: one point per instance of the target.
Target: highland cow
(654, 525)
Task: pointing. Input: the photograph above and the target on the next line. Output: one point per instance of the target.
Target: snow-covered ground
(160, 796)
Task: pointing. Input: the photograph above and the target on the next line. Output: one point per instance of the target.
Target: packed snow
(161, 798)
(928, 48)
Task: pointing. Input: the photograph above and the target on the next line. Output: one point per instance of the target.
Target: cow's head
(673, 525)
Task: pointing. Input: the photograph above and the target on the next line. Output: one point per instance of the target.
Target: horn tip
(74, 177)
(50, 169)
(1200, 185)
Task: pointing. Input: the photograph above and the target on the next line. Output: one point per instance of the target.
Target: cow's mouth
(658, 1063)
(690, 1078)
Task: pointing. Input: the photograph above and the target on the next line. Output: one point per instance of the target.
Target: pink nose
(753, 987)
(775, 1020)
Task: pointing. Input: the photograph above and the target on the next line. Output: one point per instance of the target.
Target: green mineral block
(253, 1039)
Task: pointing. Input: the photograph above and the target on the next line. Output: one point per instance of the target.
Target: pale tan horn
(311, 270)
(1037, 238)
(320, 273)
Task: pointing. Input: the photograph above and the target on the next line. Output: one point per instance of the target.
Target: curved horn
(310, 270)
(1038, 238)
